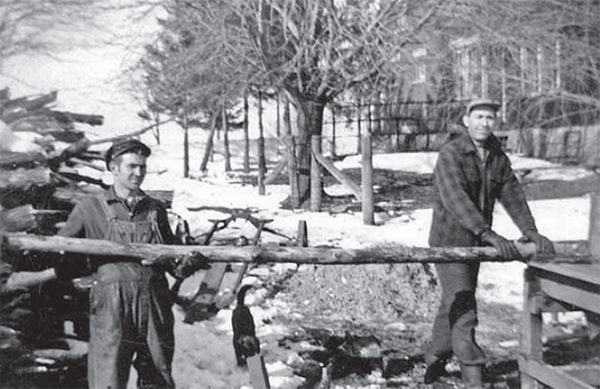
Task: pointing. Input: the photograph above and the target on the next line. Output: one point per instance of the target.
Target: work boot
(435, 370)
(471, 376)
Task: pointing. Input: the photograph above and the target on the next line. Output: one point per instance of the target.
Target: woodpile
(43, 321)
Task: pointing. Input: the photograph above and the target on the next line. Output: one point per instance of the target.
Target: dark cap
(482, 102)
(124, 146)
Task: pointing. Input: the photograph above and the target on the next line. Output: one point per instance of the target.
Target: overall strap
(153, 219)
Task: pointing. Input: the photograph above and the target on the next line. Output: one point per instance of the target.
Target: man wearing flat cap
(471, 173)
(131, 321)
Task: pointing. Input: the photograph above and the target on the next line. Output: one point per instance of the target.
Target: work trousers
(454, 326)
(130, 315)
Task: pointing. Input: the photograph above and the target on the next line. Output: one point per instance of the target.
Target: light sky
(88, 80)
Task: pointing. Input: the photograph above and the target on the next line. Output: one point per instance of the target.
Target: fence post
(332, 131)
(367, 180)
(315, 175)
(302, 237)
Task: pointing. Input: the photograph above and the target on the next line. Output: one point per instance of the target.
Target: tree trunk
(246, 136)
(310, 122)
(567, 252)
(291, 154)
(226, 141)
(359, 126)
(262, 164)
(316, 186)
(375, 117)
(186, 147)
(157, 128)
(209, 144)
(333, 132)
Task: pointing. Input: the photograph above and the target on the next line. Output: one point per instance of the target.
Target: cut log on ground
(572, 252)
(21, 218)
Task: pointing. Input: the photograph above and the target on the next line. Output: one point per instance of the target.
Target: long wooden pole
(566, 252)
(339, 175)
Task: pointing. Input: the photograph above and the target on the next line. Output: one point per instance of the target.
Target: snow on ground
(204, 354)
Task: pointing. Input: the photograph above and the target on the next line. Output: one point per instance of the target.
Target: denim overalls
(130, 313)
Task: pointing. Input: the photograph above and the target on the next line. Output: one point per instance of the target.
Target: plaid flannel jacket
(466, 190)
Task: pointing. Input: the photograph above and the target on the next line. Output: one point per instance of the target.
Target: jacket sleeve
(74, 226)
(452, 186)
(513, 199)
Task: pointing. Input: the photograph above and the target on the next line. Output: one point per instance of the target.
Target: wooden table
(552, 288)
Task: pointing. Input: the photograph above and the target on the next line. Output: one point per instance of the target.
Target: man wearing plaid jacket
(471, 172)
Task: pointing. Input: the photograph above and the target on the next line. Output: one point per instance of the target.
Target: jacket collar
(467, 146)
(111, 196)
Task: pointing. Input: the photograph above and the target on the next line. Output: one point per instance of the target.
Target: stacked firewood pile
(43, 321)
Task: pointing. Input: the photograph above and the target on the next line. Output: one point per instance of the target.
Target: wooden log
(27, 105)
(72, 150)
(24, 178)
(28, 279)
(34, 158)
(566, 252)
(338, 175)
(88, 164)
(12, 159)
(19, 218)
(66, 117)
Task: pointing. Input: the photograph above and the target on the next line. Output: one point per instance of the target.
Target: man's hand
(188, 264)
(543, 245)
(162, 263)
(182, 266)
(505, 247)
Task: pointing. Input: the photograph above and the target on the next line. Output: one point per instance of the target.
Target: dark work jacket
(465, 190)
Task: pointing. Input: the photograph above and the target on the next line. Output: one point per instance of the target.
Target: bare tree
(319, 50)
(191, 68)
(48, 26)
(312, 49)
(541, 58)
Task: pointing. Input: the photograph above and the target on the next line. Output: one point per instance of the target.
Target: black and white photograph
(299, 194)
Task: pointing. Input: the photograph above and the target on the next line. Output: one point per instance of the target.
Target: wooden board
(210, 284)
(552, 376)
(258, 372)
(584, 272)
(578, 297)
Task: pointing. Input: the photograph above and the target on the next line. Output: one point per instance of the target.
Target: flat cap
(124, 146)
(482, 102)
